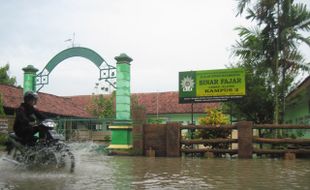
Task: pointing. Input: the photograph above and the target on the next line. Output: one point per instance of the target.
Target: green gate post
(30, 73)
(122, 127)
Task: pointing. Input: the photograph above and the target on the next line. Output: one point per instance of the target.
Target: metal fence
(84, 129)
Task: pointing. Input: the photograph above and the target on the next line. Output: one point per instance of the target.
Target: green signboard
(211, 85)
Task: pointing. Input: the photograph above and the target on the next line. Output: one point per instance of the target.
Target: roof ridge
(9, 85)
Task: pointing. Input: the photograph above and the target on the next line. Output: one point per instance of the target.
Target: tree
(138, 111)
(103, 106)
(2, 113)
(257, 105)
(274, 44)
(5, 79)
(4, 76)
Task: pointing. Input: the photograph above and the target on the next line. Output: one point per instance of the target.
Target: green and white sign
(211, 85)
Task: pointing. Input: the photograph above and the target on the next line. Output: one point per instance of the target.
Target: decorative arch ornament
(106, 72)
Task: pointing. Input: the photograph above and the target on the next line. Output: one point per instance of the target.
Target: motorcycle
(50, 152)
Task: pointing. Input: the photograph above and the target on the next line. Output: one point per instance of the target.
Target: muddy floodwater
(95, 170)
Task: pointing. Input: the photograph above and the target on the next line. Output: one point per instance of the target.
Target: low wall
(164, 139)
(86, 135)
(6, 123)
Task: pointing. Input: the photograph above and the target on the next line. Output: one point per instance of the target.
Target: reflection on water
(97, 171)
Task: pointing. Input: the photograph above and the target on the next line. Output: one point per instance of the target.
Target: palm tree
(257, 106)
(275, 42)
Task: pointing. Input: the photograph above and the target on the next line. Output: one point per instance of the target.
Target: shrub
(107, 138)
(217, 118)
(3, 139)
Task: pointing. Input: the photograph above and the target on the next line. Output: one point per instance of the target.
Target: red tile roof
(48, 103)
(84, 101)
(161, 103)
(168, 103)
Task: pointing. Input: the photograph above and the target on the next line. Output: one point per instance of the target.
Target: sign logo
(187, 84)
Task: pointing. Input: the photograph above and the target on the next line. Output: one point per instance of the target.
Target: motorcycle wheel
(45, 159)
(15, 154)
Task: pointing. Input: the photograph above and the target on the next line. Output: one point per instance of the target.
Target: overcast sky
(163, 37)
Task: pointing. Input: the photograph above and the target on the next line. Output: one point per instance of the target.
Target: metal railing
(84, 129)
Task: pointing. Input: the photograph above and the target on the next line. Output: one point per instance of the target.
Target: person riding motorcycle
(26, 117)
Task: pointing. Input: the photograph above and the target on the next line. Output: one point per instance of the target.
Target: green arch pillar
(30, 73)
(122, 127)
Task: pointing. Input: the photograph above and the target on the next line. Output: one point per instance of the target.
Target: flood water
(97, 171)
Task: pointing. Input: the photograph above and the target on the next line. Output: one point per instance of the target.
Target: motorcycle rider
(26, 117)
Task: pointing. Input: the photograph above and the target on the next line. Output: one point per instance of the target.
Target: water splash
(81, 151)
(88, 147)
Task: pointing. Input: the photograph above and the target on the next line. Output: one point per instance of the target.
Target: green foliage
(3, 139)
(107, 138)
(270, 54)
(2, 113)
(4, 76)
(214, 117)
(138, 112)
(217, 118)
(155, 121)
(258, 104)
(103, 106)
(281, 133)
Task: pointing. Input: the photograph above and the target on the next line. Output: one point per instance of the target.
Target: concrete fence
(166, 140)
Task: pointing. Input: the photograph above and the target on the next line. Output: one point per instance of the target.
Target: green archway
(106, 71)
(73, 52)
(122, 126)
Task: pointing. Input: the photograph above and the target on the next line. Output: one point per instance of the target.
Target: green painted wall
(123, 92)
(30, 78)
(121, 137)
(298, 110)
(182, 118)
